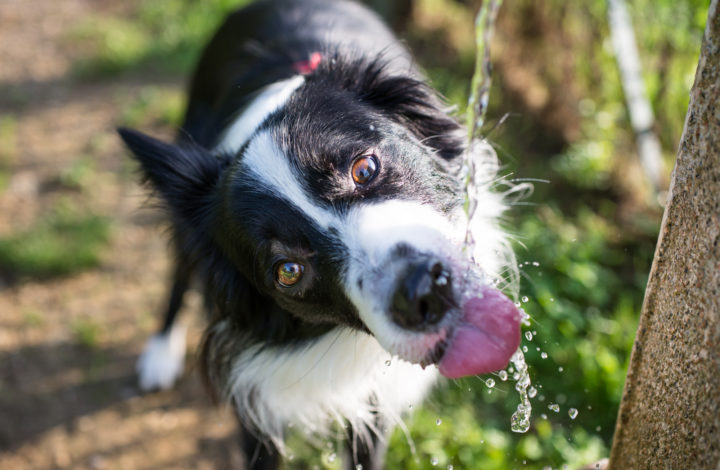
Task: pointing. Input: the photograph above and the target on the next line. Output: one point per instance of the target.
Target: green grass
(154, 105)
(160, 36)
(8, 147)
(87, 332)
(63, 242)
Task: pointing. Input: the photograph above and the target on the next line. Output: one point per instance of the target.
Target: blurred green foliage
(62, 242)
(585, 240)
(8, 147)
(164, 36)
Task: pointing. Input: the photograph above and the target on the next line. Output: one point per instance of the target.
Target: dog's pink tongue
(486, 337)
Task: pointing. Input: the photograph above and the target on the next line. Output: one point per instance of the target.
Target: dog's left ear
(185, 176)
(419, 108)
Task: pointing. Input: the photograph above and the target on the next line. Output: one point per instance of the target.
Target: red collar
(306, 67)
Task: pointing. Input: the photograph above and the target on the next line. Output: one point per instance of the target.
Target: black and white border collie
(315, 190)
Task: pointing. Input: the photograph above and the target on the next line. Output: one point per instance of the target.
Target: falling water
(477, 107)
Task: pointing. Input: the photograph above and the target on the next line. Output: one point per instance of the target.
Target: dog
(316, 190)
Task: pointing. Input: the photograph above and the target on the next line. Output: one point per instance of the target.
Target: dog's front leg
(258, 455)
(365, 455)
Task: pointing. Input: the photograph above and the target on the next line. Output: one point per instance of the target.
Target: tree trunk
(670, 412)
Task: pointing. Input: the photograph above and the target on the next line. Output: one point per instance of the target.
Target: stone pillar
(670, 412)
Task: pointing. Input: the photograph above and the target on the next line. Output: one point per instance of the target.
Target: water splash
(520, 420)
(477, 108)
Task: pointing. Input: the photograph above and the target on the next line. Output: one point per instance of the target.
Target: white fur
(264, 159)
(162, 360)
(269, 100)
(328, 380)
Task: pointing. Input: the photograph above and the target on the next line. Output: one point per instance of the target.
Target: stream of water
(477, 107)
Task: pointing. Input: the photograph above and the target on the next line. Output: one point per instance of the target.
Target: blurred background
(83, 258)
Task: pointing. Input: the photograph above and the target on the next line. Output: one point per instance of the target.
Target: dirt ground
(64, 402)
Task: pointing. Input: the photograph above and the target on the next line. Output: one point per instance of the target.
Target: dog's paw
(162, 360)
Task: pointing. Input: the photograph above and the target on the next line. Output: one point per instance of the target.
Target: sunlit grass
(154, 105)
(63, 242)
(8, 147)
(163, 37)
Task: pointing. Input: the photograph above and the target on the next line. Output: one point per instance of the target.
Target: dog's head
(340, 203)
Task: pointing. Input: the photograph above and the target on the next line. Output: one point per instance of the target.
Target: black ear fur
(405, 98)
(185, 176)
(416, 106)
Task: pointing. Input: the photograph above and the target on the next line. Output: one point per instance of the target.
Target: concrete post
(670, 412)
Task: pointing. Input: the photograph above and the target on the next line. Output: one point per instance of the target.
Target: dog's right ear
(185, 176)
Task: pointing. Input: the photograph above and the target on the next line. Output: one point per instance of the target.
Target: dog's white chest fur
(343, 376)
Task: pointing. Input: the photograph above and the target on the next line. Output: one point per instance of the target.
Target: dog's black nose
(423, 296)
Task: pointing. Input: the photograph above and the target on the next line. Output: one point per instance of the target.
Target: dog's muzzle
(423, 295)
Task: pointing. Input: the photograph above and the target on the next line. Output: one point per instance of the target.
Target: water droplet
(520, 420)
(589, 407)
(490, 383)
(532, 391)
(438, 421)
(410, 407)
(537, 348)
(598, 428)
(331, 458)
(388, 362)
(517, 304)
(433, 461)
(535, 263)
(524, 298)
(372, 128)
(552, 300)
(503, 375)
(528, 335)
(449, 467)
(554, 407)
(560, 369)
(525, 349)
(543, 355)
(511, 370)
(359, 467)
(572, 412)
(543, 415)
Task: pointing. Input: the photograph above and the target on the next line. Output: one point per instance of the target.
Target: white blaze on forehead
(378, 228)
(270, 99)
(270, 166)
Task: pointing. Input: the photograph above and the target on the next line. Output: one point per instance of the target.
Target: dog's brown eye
(288, 274)
(364, 169)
